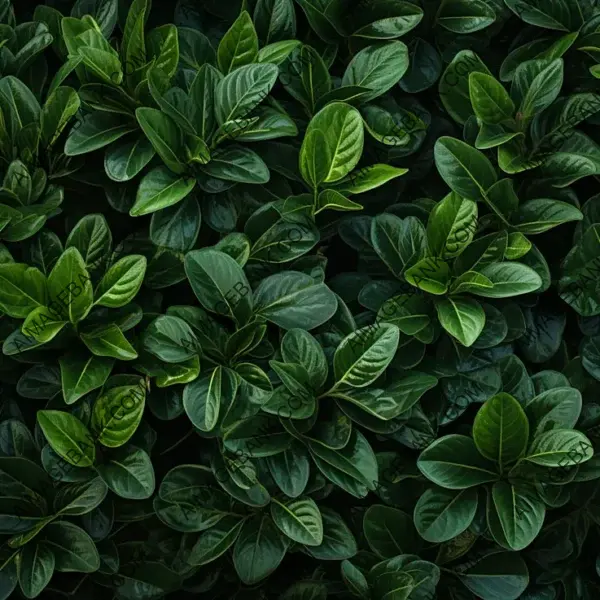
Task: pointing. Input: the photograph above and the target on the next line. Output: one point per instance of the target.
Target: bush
(299, 299)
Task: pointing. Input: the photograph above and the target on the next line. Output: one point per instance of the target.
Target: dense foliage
(299, 299)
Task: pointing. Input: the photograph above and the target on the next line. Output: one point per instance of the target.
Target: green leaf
(22, 289)
(57, 111)
(560, 448)
(491, 102)
(537, 216)
(293, 299)
(354, 579)
(501, 430)
(122, 282)
(36, 567)
(338, 541)
(362, 356)
(369, 178)
(68, 437)
(543, 90)
(239, 45)
(378, 67)
(109, 341)
(125, 160)
(400, 243)
(451, 226)
(73, 548)
(117, 414)
(463, 318)
(454, 84)
(164, 135)
(509, 279)
(515, 515)
(171, 339)
(333, 144)
(159, 189)
(389, 531)
(333, 200)
(259, 549)
(547, 13)
(453, 462)
(82, 374)
(215, 541)
(219, 284)
(129, 473)
(240, 92)
(299, 519)
(95, 131)
(237, 164)
(429, 274)
(69, 287)
(463, 17)
(204, 397)
(467, 171)
(497, 576)
(80, 498)
(441, 515)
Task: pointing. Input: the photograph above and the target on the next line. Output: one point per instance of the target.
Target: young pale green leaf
(430, 274)
(517, 246)
(369, 178)
(57, 111)
(333, 144)
(333, 200)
